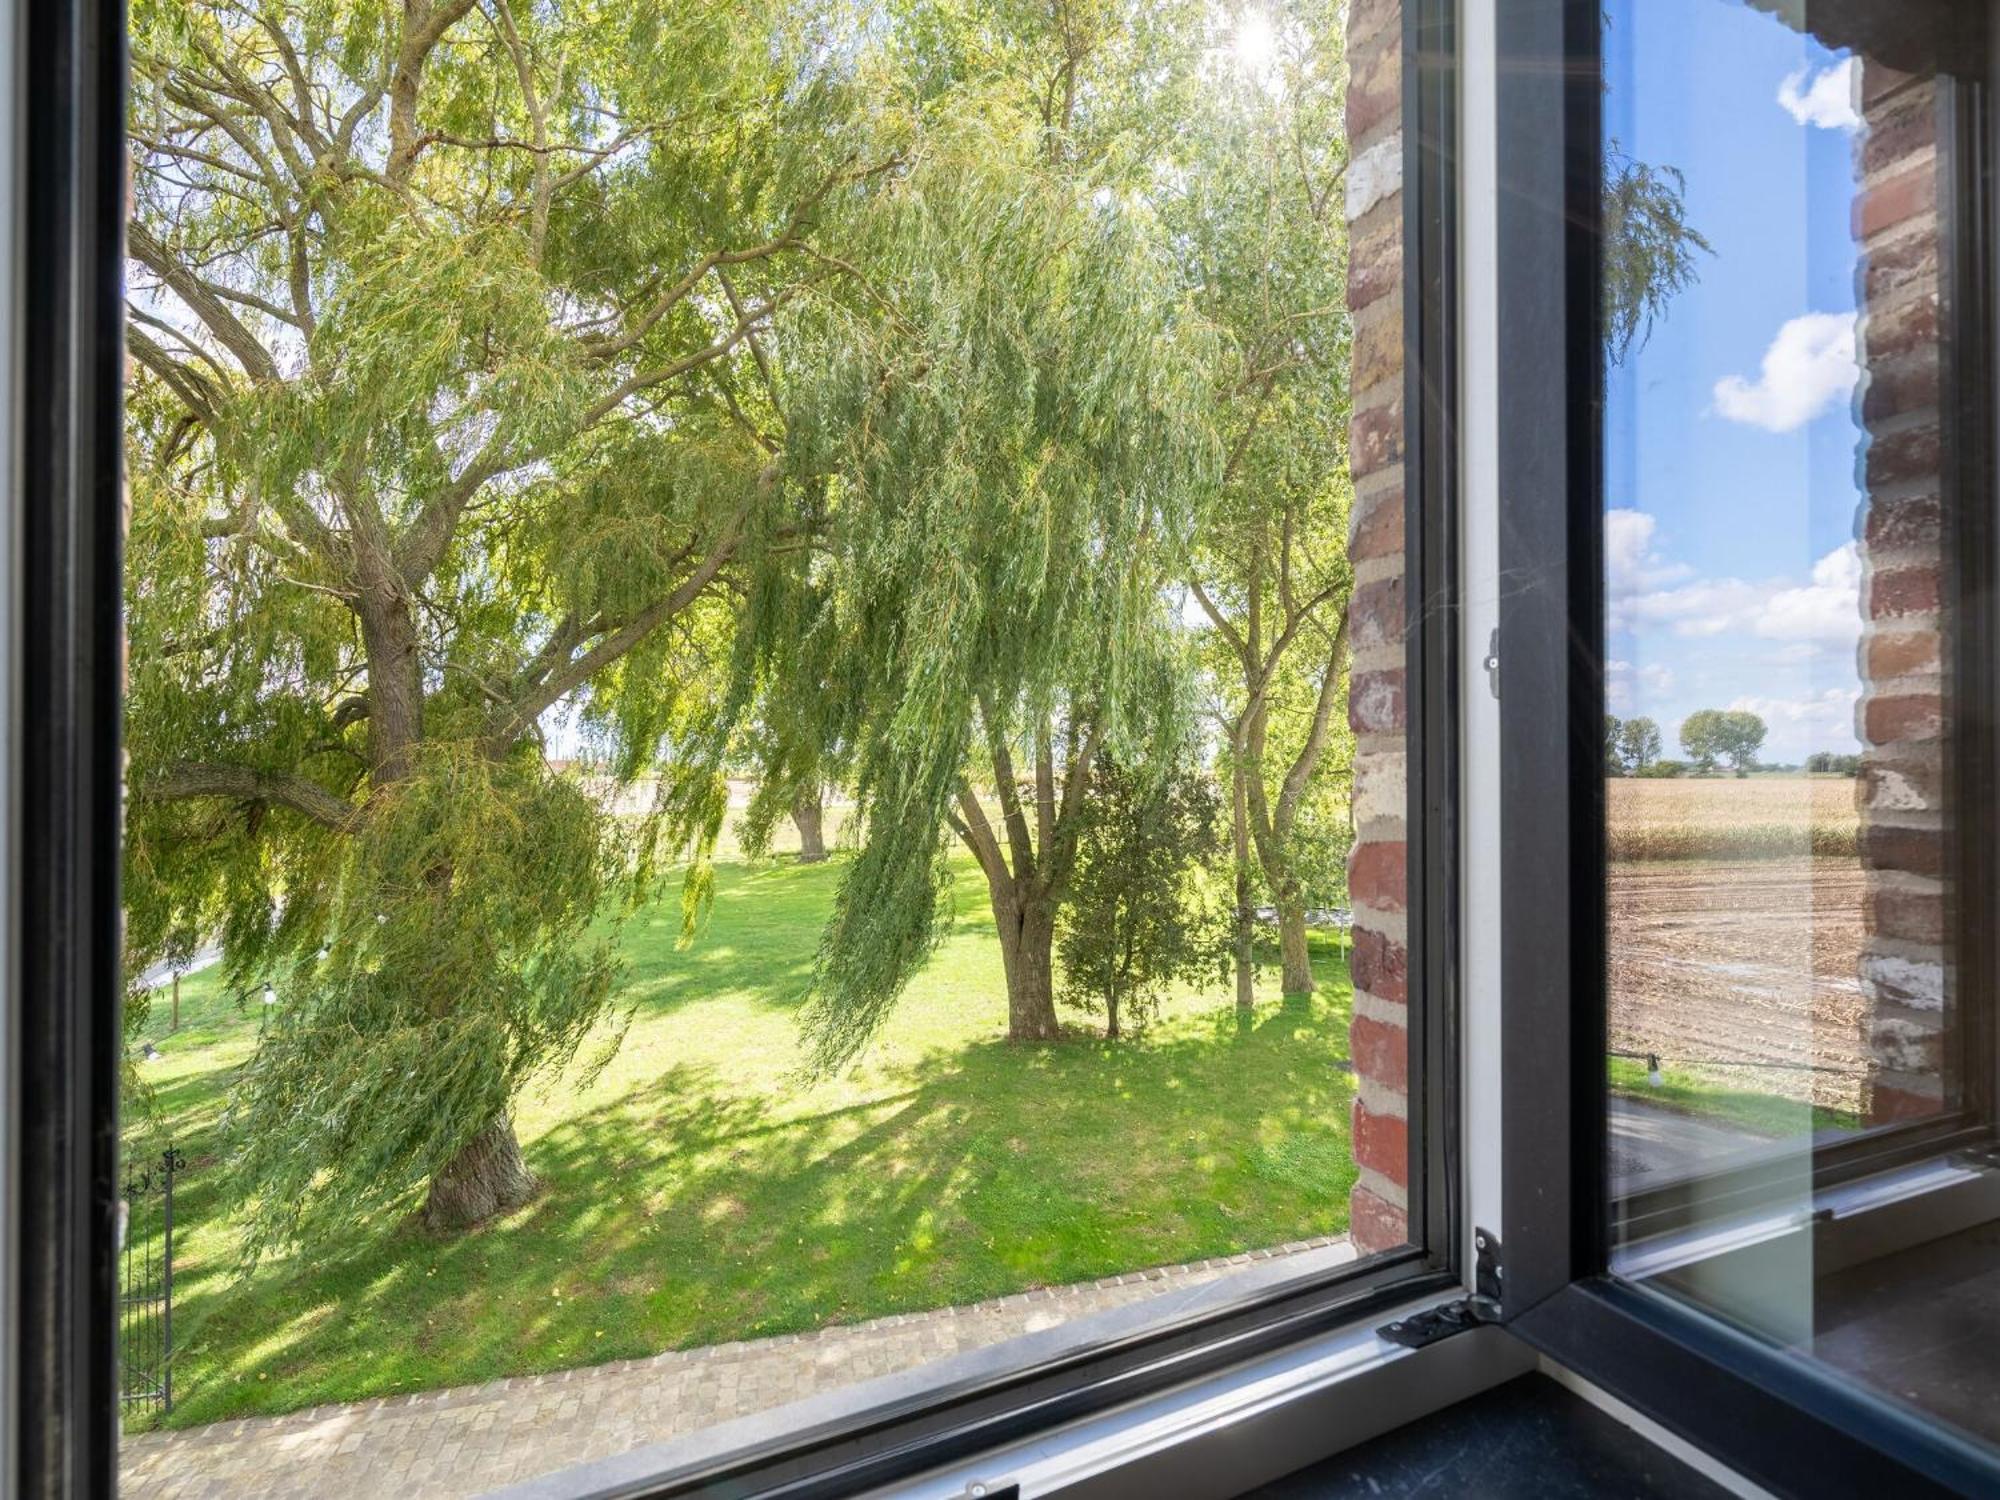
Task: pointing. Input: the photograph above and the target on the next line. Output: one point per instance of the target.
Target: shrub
(1142, 911)
(1661, 769)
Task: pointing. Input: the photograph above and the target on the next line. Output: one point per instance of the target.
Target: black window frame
(61, 1006)
(1777, 1418)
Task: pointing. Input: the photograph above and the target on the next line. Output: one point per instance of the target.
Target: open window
(1764, 1114)
(448, 424)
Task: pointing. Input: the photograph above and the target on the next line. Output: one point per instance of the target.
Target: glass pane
(1796, 571)
(743, 771)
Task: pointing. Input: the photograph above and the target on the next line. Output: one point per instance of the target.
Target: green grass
(697, 1192)
(1698, 1094)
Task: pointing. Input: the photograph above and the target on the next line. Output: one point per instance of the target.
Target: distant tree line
(1709, 737)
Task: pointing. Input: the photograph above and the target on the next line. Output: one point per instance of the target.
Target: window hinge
(991, 1489)
(1441, 1322)
(1492, 662)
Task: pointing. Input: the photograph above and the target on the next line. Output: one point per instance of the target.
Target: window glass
(765, 711)
(1798, 523)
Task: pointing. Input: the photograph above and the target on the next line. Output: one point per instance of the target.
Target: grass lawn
(696, 1192)
(1696, 1093)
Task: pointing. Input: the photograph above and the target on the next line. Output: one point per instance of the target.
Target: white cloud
(1826, 610)
(1808, 367)
(1799, 726)
(1709, 606)
(1627, 687)
(1825, 99)
(1823, 613)
(1631, 563)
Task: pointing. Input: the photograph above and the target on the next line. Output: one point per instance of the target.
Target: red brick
(1381, 1052)
(1382, 1143)
(1375, 261)
(1899, 388)
(1375, 1225)
(1905, 263)
(1377, 531)
(1887, 1106)
(1901, 653)
(1378, 351)
(1913, 916)
(1374, 85)
(1375, 438)
(1377, 875)
(1375, 702)
(1914, 453)
(1896, 200)
(1908, 326)
(1895, 593)
(1366, 17)
(1904, 784)
(1898, 128)
(1375, 614)
(1904, 523)
(1901, 717)
(1380, 965)
(1920, 851)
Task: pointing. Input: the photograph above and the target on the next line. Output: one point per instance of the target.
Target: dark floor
(1526, 1440)
(1923, 1326)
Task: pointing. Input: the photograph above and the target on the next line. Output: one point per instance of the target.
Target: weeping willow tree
(1004, 415)
(446, 320)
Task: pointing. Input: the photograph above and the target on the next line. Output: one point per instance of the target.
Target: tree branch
(185, 780)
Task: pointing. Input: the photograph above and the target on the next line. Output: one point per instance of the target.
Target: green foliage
(445, 417)
(1713, 734)
(1828, 762)
(458, 965)
(1145, 910)
(1650, 248)
(1005, 422)
(1662, 769)
(1638, 744)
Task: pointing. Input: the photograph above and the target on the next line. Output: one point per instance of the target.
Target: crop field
(1753, 817)
(1735, 912)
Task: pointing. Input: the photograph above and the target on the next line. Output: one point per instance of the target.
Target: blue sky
(1730, 440)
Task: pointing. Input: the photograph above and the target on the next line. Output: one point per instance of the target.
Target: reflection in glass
(1792, 502)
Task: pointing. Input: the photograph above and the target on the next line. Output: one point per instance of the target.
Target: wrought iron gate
(146, 1286)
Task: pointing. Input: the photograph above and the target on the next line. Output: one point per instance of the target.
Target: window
(1798, 555)
(1749, 1034)
(509, 451)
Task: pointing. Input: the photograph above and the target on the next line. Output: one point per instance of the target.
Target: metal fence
(146, 1286)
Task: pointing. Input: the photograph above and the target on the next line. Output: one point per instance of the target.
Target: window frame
(1777, 1418)
(62, 1034)
(64, 669)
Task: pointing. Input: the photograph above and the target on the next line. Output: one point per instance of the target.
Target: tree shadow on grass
(682, 1214)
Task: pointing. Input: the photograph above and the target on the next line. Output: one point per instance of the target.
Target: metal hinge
(1492, 662)
(992, 1489)
(1441, 1322)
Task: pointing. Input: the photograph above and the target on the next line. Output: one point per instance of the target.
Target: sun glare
(1256, 42)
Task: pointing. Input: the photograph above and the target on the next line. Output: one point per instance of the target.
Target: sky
(1730, 439)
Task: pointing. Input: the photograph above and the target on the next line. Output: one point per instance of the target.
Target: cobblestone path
(442, 1445)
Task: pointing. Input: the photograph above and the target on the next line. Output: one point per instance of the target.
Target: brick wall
(1377, 886)
(1901, 714)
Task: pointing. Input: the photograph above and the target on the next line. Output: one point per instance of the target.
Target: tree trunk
(1293, 948)
(1027, 953)
(1245, 937)
(487, 1177)
(808, 817)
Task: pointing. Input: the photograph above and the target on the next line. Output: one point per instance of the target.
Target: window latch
(1492, 662)
(1441, 1322)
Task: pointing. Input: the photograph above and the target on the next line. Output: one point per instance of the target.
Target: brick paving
(441, 1445)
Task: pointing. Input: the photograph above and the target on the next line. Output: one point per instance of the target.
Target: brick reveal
(1377, 868)
(1902, 716)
